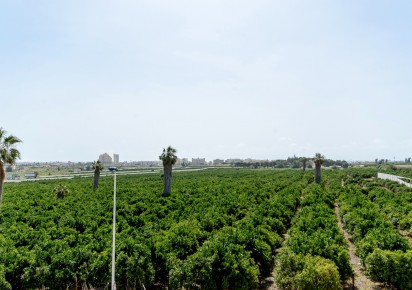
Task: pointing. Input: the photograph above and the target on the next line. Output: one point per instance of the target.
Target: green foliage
(381, 238)
(315, 232)
(97, 166)
(221, 263)
(297, 271)
(368, 225)
(181, 240)
(4, 285)
(133, 261)
(391, 267)
(370, 210)
(168, 156)
(220, 227)
(219, 230)
(394, 199)
(8, 152)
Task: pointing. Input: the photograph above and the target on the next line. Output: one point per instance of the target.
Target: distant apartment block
(115, 158)
(218, 161)
(199, 161)
(105, 158)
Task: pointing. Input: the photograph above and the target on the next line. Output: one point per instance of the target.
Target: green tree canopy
(168, 156)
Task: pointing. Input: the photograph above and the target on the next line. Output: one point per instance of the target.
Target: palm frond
(11, 140)
(319, 159)
(168, 156)
(2, 132)
(8, 153)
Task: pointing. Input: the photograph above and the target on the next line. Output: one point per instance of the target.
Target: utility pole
(114, 169)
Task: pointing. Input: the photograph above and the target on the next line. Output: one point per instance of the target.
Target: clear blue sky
(215, 79)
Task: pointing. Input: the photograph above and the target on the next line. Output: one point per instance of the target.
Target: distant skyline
(214, 79)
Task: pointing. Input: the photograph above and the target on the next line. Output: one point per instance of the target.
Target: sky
(261, 79)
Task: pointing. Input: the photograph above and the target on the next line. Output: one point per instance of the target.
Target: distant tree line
(384, 161)
(290, 162)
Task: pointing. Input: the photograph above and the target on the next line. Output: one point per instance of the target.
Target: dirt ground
(359, 280)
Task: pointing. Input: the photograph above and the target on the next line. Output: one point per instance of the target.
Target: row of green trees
(394, 199)
(315, 256)
(290, 162)
(384, 252)
(219, 227)
(237, 256)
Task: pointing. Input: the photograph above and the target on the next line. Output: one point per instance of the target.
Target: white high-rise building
(115, 158)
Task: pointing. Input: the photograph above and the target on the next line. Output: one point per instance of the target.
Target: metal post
(114, 234)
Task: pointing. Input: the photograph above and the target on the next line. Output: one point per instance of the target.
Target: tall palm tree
(319, 159)
(97, 167)
(169, 158)
(304, 160)
(8, 155)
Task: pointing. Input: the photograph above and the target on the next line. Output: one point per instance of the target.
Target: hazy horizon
(207, 160)
(214, 79)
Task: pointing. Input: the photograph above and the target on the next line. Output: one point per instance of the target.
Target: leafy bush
(382, 250)
(381, 238)
(4, 285)
(315, 230)
(221, 263)
(394, 267)
(297, 271)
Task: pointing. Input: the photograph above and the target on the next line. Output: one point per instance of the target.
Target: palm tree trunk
(2, 177)
(317, 173)
(96, 180)
(167, 179)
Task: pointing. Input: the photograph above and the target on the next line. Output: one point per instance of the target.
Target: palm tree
(8, 155)
(304, 160)
(319, 159)
(97, 167)
(61, 191)
(169, 158)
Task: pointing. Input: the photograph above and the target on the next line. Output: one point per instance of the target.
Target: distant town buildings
(234, 160)
(105, 158)
(145, 163)
(218, 161)
(199, 161)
